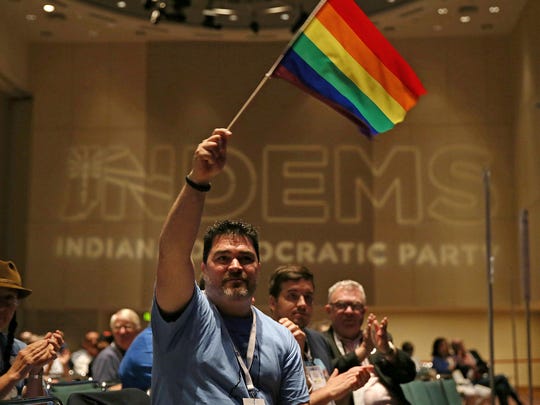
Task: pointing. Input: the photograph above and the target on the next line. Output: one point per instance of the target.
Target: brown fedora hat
(10, 278)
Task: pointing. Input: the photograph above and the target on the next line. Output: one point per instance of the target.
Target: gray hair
(346, 284)
(128, 314)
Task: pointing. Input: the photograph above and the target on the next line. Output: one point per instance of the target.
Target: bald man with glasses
(353, 346)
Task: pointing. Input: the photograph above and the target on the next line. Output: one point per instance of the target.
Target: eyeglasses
(128, 327)
(343, 305)
(9, 301)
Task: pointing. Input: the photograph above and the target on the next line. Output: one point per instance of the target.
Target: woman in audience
(19, 361)
(443, 361)
(473, 367)
(445, 365)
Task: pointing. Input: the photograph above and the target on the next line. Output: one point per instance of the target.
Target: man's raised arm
(175, 273)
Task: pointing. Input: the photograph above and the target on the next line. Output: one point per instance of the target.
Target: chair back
(126, 396)
(435, 392)
(35, 400)
(63, 390)
(416, 393)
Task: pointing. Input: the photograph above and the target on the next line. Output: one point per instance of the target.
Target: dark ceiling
(255, 14)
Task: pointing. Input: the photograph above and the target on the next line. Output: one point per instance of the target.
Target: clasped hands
(33, 357)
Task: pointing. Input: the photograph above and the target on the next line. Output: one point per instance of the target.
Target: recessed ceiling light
(442, 11)
(277, 10)
(465, 19)
(494, 9)
(121, 4)
(49, 8)
(284, 17)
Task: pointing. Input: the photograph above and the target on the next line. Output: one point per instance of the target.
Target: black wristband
(197, 186)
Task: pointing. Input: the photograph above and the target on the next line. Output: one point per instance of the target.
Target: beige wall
(113, 129)
(13, 60)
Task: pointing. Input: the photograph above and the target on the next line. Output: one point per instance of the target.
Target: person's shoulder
(315, 335)
(18, 345)
(109, 351)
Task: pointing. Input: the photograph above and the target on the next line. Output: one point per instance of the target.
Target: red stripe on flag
(370, 35)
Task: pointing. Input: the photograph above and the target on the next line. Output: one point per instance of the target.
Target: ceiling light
(465, 19)
(284, 17)
(155, 16)
(48, 8)
(218, 11)
(121, 4)
(442, 11)
(30, 17)
(277, 10)
(494, 9)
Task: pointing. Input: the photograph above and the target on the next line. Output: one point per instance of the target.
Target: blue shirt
(136, 366)
(16, 348)
(195, 362)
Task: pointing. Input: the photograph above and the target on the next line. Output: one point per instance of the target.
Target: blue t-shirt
(195, 362)
(136, 366)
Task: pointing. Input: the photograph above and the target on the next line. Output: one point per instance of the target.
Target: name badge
(253, 401)
(315, 374)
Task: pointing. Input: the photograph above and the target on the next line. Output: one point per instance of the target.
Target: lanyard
(339, 344)
(249, 355)
(307, 353)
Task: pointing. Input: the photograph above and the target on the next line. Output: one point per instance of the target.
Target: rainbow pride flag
(340, 57)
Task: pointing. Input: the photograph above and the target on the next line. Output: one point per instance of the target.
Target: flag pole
(526, 274)
(514, 334)
(489, 262)
(270, 72)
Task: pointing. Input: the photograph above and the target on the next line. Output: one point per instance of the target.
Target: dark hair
(285, 273)
(228, 227)
(436, 344)
(407, 347)
(6, 355)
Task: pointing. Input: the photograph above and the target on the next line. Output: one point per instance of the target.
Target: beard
(238, 286)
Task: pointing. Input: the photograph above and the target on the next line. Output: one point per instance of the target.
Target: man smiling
(291, 303)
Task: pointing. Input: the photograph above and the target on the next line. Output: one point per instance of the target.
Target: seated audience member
(408, 348)
(82, 358)
(125, 326)
(443, 361)
(291, 303)
(473, 367)
(351, 346)
(60, 367)
(136, 367)
(20, 361)
(445, 365)
(28, 337)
